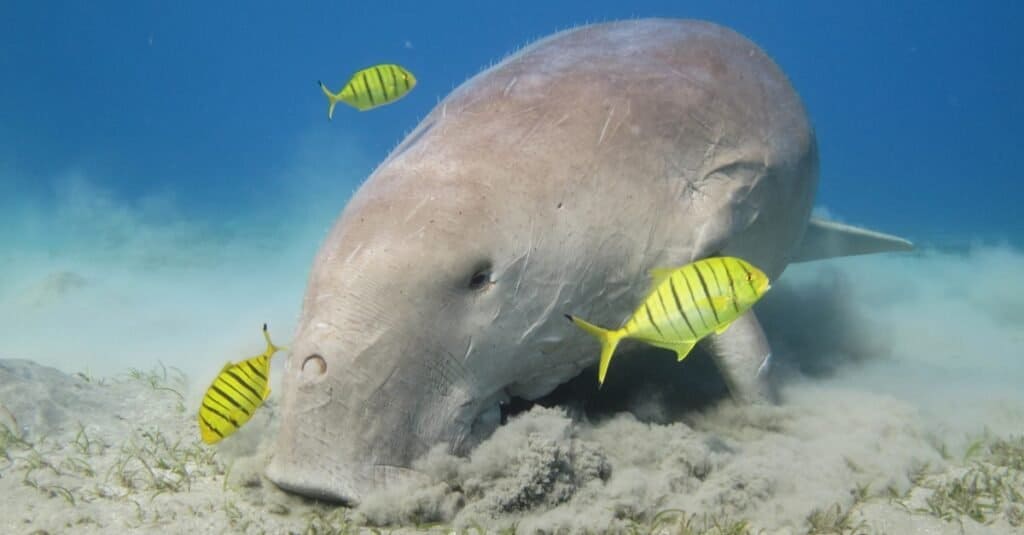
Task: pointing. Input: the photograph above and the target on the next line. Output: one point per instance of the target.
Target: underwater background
(167, 170)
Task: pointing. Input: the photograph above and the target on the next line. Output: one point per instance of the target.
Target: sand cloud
(889, 366)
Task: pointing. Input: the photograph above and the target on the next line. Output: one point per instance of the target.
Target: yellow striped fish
(371, 87)
(684, 305)
(235, 394)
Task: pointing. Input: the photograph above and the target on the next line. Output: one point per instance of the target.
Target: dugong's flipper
(742, 355)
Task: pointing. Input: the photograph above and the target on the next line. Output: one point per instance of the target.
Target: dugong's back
(681, 121)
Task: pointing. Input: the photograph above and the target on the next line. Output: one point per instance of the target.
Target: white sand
(893, 367)
(123, 456)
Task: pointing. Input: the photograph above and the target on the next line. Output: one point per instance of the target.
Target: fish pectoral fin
(683, 349)
(721, 302)
(659, 274)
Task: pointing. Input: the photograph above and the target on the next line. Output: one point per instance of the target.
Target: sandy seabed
(902, 412)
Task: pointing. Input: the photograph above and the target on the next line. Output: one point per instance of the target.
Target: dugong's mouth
(334, 484)
(484, 424)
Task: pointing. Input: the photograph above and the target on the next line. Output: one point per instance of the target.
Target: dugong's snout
(326, 452)
(347, 430)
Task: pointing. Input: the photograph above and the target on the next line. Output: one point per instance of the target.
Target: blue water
(917, 104)
(144, 136)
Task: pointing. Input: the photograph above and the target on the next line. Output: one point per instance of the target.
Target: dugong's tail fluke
(609, 341)
(828, 239)
(332, 99)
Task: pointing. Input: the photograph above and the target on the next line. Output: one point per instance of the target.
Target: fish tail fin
(271, 348)
(332, 99)
(609, 341)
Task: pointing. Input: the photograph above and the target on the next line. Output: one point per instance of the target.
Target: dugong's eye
(481, 278)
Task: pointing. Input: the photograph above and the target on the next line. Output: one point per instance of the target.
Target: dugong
(550, 183)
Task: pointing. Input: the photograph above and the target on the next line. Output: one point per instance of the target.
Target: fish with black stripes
(684, 305)
(371, 87)
(239, 389)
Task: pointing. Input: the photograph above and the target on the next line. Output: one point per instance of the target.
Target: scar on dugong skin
(549, 183)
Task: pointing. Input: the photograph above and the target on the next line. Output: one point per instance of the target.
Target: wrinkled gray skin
(563, 174)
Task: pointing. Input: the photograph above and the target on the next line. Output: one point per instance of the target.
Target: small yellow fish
(371, 87)
(684, 305)
(235, 394)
